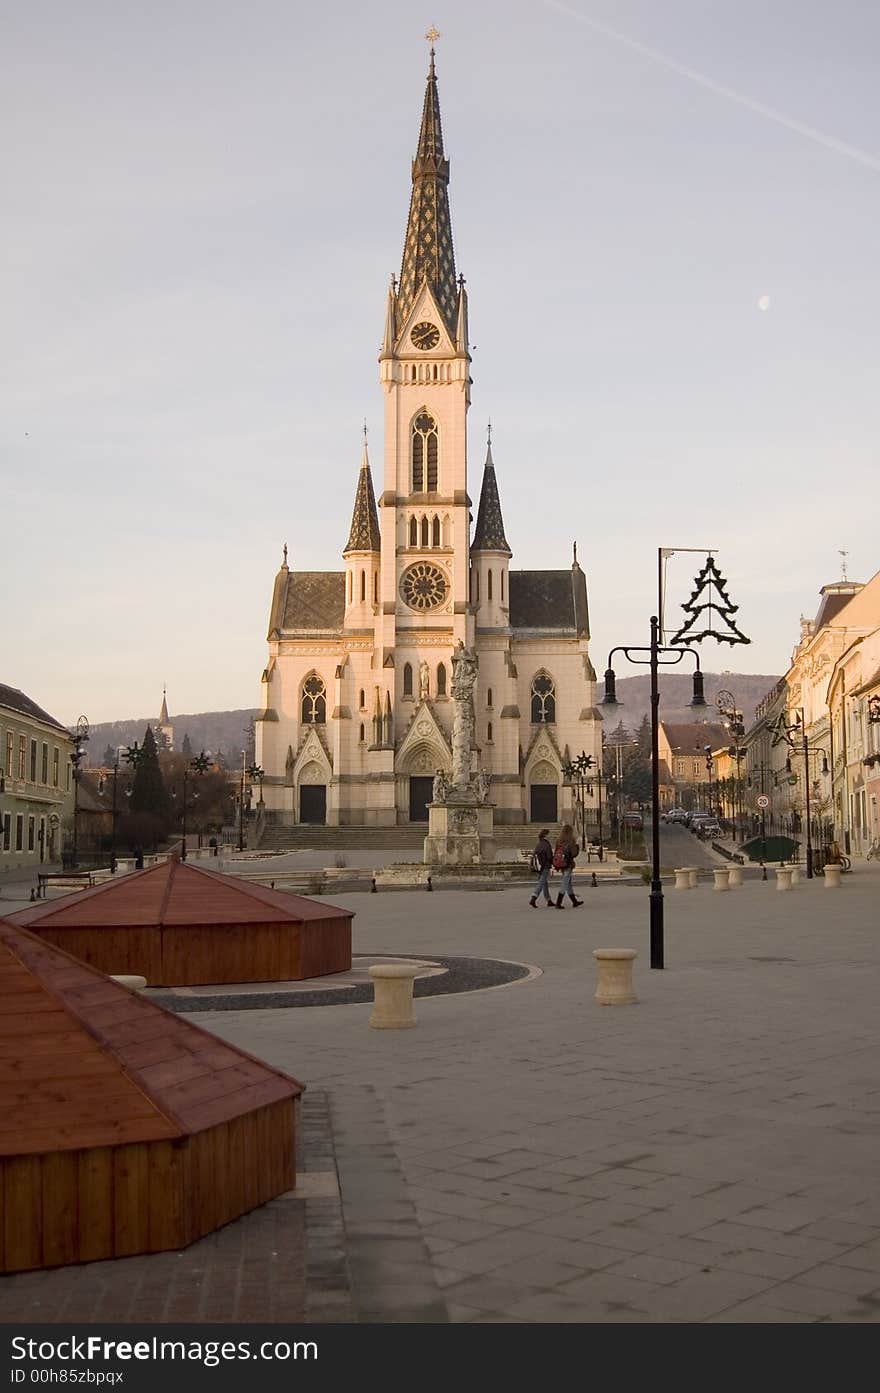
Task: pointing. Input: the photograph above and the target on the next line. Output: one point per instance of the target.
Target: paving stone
(832, 1277)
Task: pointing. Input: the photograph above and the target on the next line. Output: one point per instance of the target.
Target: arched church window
(489, 697)
(363, 585)
(350, 584)
(502, 582)
(424, 532)
(441, 679)
(314, 700)
(362, 732)
(477, 586)
(424, 453)
(489, 732)
(375, 587)
(407, 679)
(543, 699)
(435, 532)
(363, 700)
(413, 531)
(489, 585)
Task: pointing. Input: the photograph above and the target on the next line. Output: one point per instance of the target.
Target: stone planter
(682, 880)
(783, 878)
(832, 877)
(393, 996)
(797, 876)
(735, 879)
(722, 878)
(615, 984)
(694, 876)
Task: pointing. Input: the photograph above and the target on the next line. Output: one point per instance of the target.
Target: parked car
(704, 825)
(634, 820)
(674, 815)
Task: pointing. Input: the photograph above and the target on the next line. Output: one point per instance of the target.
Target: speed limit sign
(762, 800)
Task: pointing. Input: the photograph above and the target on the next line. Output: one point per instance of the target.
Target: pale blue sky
(203, 202)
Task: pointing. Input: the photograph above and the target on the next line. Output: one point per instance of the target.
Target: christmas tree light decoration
(702, 600)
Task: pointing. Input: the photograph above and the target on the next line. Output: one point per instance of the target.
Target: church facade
(356, 714)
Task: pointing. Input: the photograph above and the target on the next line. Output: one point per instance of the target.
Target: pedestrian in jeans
(563, 860)
(542, 862)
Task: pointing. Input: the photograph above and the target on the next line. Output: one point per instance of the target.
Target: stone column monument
(460, 818)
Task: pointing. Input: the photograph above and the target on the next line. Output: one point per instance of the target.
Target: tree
(186, 748)
(109, 757)
(149, 803)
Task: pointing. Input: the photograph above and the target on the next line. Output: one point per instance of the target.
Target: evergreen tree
(148, 791)
(109, 757)
(186, 748)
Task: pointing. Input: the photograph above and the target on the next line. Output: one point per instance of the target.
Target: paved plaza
(710, 1154)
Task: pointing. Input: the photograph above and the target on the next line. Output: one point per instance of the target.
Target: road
(679, 847)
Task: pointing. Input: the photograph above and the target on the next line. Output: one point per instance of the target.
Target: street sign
(762, 800)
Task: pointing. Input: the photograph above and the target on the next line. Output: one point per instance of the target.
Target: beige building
(682, 747)
(356, 712)
(36, 795)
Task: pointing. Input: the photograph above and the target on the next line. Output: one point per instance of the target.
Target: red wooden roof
(85, 1062)
(176, 893)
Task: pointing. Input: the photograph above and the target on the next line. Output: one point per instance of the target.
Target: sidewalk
(710, 1154)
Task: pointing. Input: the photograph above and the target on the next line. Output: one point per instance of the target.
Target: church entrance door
(421, 791)
(313, 803)
(543, 803)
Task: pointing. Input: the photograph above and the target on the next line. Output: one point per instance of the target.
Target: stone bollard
(796, 876)
(682, 879)
(736, 877)
(832, 877)
(393, 996)
(693, 874)
(615, 984)
(783, 878)
(722, 877)
(136, 984)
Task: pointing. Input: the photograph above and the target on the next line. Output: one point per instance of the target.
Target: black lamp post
(253, 771)
(200, 764)
(800, 728)
(577, 771)
(658, 656)
(78, 754)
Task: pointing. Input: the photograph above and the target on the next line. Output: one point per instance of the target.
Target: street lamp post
(200, 764)
(77, 755)
(800, 727)
(253, 771)
(578, 771)
(655, 661)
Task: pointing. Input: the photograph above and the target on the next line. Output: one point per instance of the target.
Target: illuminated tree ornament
(702, 604)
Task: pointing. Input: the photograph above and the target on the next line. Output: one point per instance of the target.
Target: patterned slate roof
(489, 531)
(14, 700)
(428, 252)
(549, 600)
(314, 600)
(364, 534)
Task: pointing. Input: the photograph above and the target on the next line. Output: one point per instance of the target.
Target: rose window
(424, 586)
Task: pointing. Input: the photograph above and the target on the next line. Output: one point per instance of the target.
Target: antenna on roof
(843, 555)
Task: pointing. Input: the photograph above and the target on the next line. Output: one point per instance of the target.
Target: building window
(22, 758)
(435, 532)
(407, 679)
(362, 732)
(543, 699)
(413, 532)
(489, 732)
(375, 587)
(502, 584)
(489, 697)
(44, 772)
(680, 766)
(489, 586)
(32, 832)
(424, 532)
(363, 700)
(314, 701)
(55, 767)
(477, 587)
(19, 832)
(698, 768)
(424, 454)
(7, 831)
(441, 679)
(363, 585)
(10, 748)
(350, 586)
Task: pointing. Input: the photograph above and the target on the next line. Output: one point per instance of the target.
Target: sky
(666, 212)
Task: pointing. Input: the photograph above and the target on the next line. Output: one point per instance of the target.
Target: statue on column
(464, 677)
(424, 680)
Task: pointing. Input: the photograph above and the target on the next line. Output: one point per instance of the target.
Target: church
(356, 714)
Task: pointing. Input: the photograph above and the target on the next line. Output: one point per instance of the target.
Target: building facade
(356, 712)
(36, 786)
(685, 749)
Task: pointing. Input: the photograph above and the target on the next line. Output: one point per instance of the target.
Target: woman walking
(542, 864)
(564, 857)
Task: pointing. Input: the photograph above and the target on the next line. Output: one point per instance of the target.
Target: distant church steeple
(428, 253)
(164, 729)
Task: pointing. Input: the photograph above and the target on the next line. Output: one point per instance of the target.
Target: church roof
(88, 1063)
(14, 700)
(489, 531)
(163, 714)
(428, 253)
(364, 534)
(548, 601)
(314, 600)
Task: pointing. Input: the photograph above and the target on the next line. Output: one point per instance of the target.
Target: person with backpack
(541, 864)
(564, 857)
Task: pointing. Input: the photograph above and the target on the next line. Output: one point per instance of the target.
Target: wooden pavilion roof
(174, 893)
(85, 1062)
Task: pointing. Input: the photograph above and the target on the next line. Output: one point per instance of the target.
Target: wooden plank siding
(105, 1202)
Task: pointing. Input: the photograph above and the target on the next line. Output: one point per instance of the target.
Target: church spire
(364, 534)
(489, 531)
(427, 250)
(163, 714)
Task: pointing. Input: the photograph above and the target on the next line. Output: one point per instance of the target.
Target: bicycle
(873, 853)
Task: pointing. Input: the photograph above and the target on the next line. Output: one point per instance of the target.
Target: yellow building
(36, 794)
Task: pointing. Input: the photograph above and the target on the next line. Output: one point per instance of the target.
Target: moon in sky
(764, 303)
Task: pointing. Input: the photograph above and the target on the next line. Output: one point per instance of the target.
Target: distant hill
(676, 690)
(228, 730)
